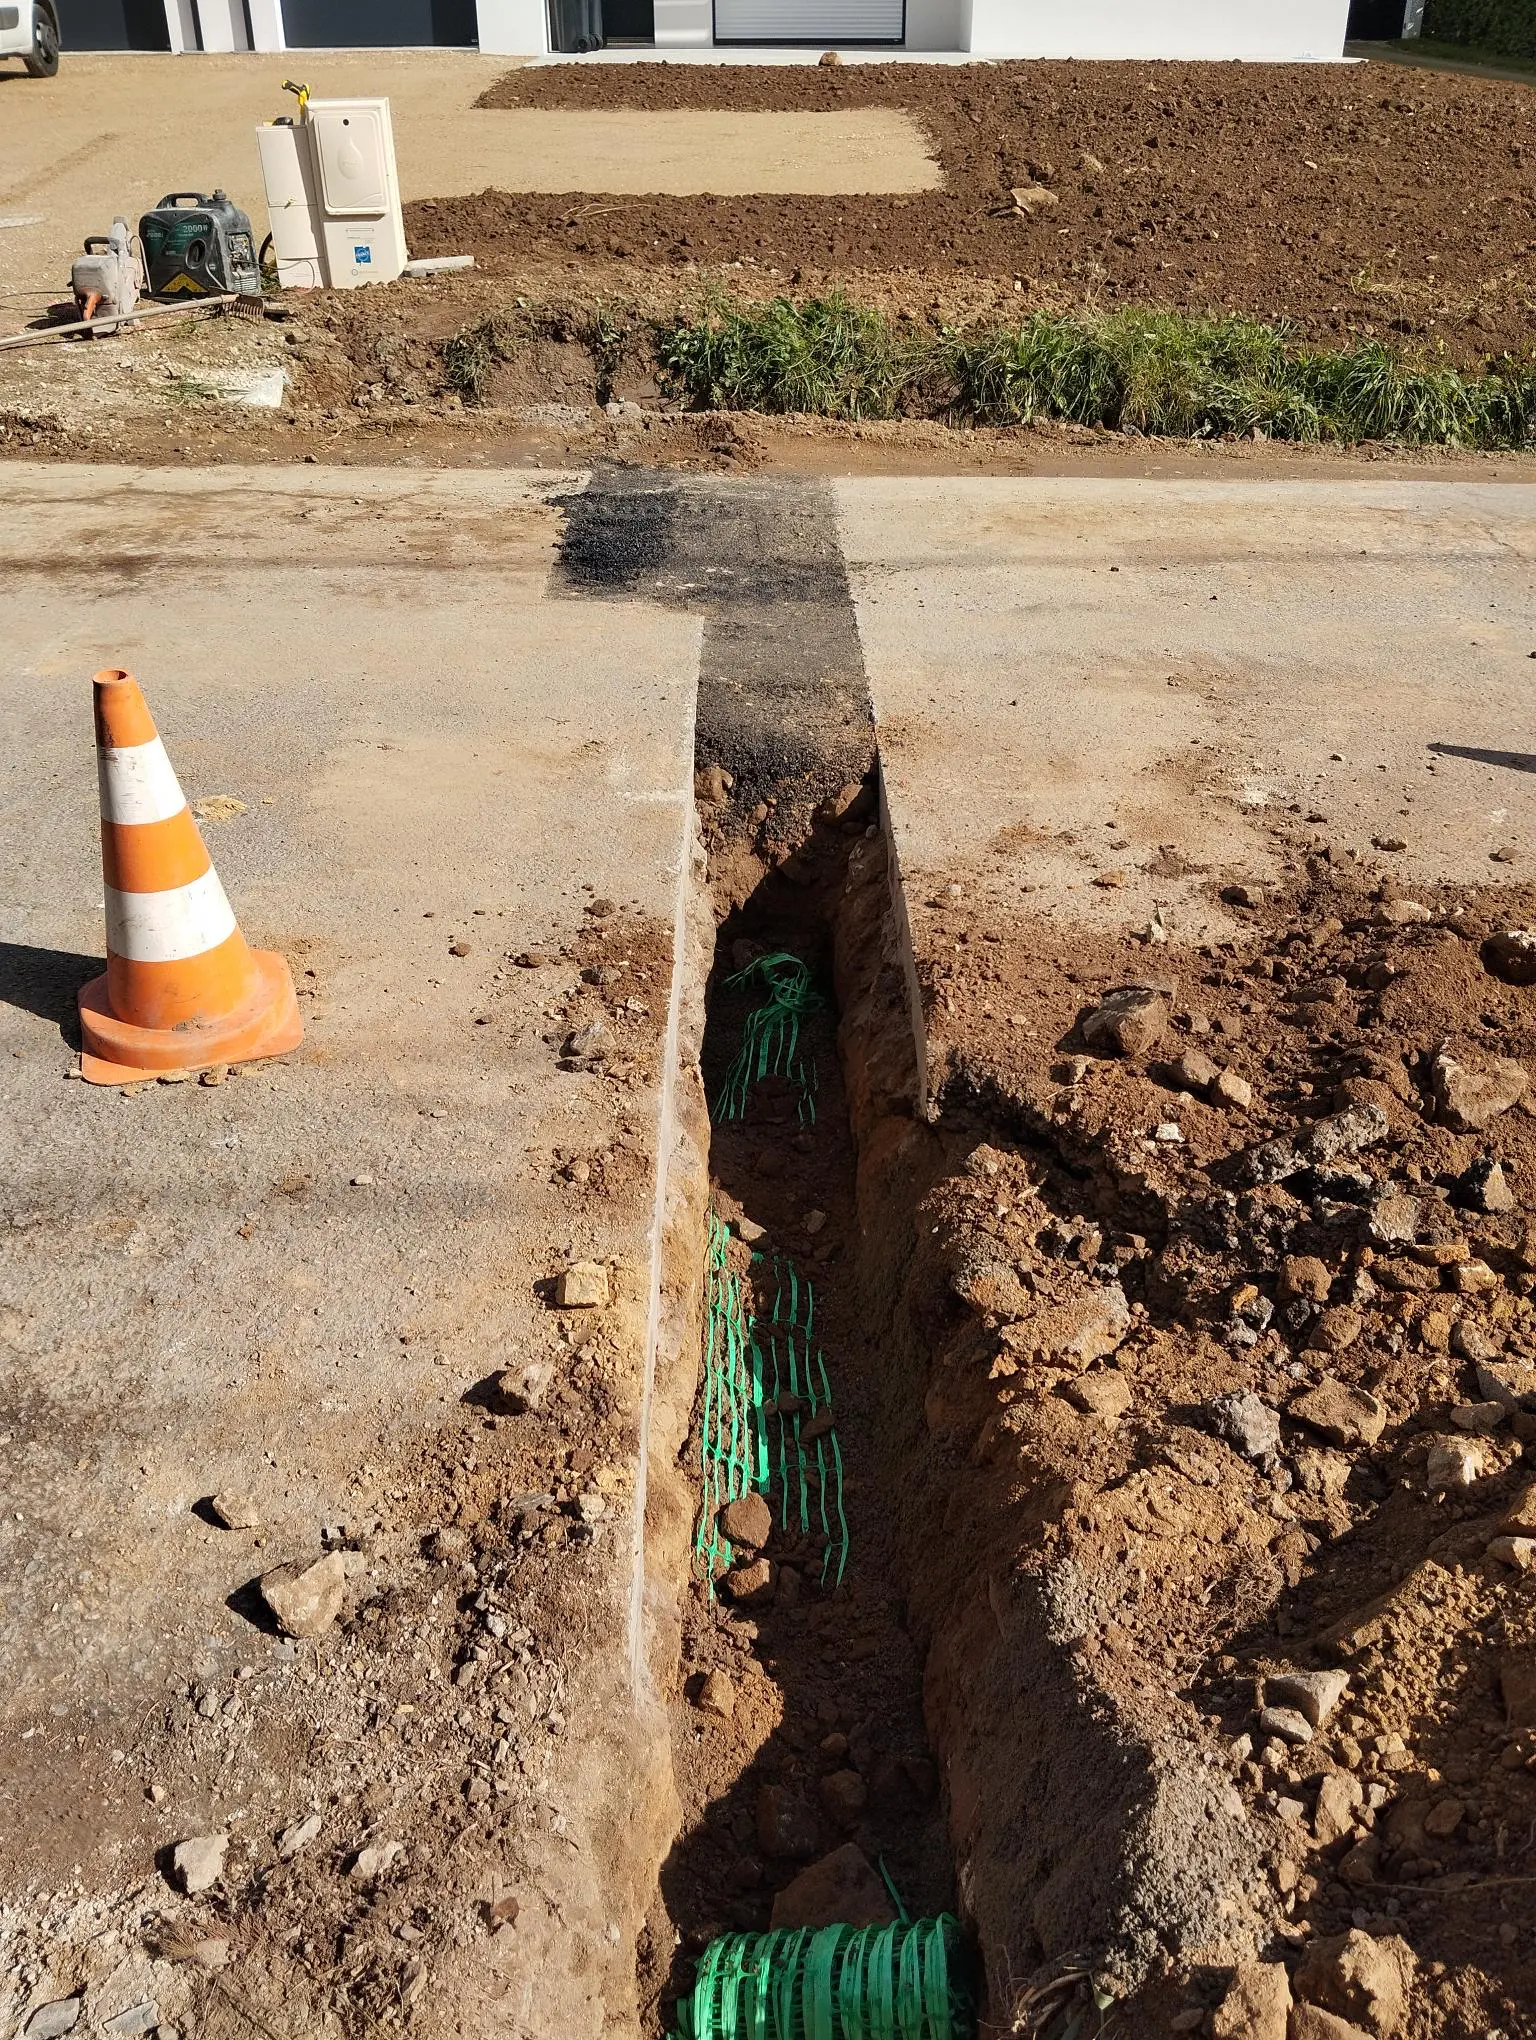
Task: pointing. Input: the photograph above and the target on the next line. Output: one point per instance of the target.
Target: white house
(1266, 31)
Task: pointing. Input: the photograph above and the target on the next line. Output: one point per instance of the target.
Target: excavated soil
(1351, 200)
(1188, 1395)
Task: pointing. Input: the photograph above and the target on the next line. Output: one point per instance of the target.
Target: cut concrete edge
(903, 930)
(686, 992)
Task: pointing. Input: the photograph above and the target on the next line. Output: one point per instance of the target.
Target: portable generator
(196, 246)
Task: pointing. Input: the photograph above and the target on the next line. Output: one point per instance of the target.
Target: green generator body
(197, 246)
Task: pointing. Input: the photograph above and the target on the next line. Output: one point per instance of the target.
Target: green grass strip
(1167, 373)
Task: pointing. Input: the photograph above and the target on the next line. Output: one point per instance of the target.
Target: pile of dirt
(1209, 1293)
(1352, 201)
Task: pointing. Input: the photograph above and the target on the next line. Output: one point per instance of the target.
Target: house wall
(1258, 30)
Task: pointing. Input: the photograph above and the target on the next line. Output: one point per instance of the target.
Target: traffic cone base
(118, 1052)
(182, 989)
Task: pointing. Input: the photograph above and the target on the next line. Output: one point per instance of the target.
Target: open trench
(1031, 1696)
(809, 1793)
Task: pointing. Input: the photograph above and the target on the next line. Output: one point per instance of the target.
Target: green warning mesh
(767, 1424)
(900, 1982)
(770, 1040)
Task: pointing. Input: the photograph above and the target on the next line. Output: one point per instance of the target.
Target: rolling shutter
(809, 21)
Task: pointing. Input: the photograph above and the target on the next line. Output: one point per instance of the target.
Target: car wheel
(42, 61)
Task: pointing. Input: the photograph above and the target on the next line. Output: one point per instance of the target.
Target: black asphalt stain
(784, 702)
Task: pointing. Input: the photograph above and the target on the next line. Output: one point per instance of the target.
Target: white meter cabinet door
(810, 21)
(352, 152)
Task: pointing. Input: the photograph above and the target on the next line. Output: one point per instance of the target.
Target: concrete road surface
(287, 1285)
(1071, 676)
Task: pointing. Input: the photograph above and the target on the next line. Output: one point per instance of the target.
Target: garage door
(810, 21)
(113, 25)
(378, 24)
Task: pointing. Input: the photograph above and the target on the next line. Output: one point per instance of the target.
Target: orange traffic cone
(183, 990)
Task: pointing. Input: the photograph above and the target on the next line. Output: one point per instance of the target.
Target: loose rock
(305, 1595)
(1471, 1094)
(234, 1512)
(842, 1889)
(1359, 1978)
(197, 1864)
(1344, 1416)
(748, 1584)
(49, 2021)
(1233, 1091)
(1288, 1723)
(1314, 1694)
(1256, 2005)
(1131, 1020)
(1454, 1463)
(748, 1521)
(1484, 1187)
(583, 1286)
(1246, 1423)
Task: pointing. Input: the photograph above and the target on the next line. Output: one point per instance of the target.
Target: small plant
(470, 355)
(827, 357)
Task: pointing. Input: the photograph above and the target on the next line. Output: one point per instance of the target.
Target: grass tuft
(1171, 374)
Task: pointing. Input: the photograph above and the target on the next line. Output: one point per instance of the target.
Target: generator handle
(176, 197)
(95, 241)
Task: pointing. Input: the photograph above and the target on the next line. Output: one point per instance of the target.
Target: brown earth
(1065, 1297)
(1352, 201)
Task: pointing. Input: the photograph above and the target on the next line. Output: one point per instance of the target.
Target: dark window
(113, 25)
(378, 24)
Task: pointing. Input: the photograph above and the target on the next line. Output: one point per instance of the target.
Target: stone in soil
(140, 2018)
(1314, 1694)
(234, 1511)
(298, 1835)
(1519, 1519)
(843, 1796)
(1339, 1799)
(747, 1521)
(842, 1889)
(1470, 1094)
(786, 1826)
(197, 1864)
(1484, 1187)
(1105, 1393)
(1311, 2022)
(1288, 1723)
(583, 1286)
(1129, 1021)
(305, 1596)
(1256, 2005)
(51, 2020)
(717, 1696)
(1343, 1415)
(749, 1585)
(1359, 1978)
(1511, 955)
(1246, 1423)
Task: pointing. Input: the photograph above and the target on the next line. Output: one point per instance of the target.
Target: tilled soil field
(1351, 201)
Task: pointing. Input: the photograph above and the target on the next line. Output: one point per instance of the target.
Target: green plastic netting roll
(900, 1982)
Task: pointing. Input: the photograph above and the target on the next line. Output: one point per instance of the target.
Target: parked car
(29, 29)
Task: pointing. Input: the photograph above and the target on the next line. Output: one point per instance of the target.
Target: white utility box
(333, 194)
